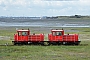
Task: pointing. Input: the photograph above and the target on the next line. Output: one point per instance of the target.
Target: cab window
(54, 33)
(24, 33)
(19, 33)
(57, 33)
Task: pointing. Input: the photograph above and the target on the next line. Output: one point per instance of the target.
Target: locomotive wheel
(14, 43)
(76, 43)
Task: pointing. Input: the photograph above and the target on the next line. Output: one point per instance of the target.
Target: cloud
(44, 7)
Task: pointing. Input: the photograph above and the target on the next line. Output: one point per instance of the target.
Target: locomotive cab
(21, 36)
(56, 36)
(23, 32)
(57, 32)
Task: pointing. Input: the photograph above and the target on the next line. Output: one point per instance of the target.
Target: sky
(44, 7)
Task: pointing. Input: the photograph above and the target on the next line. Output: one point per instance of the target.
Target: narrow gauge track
(46, 45)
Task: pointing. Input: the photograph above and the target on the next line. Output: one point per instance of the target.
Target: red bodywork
(59, 36)
(24, 36)
(56, 37)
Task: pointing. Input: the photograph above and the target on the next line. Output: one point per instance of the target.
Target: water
(45, 22)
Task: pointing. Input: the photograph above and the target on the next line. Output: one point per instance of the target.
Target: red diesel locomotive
(56, 37)
(24, 37)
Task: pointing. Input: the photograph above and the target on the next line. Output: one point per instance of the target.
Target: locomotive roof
(57, 30)
(22, 30)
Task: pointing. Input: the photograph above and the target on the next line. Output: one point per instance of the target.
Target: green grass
(33, 52)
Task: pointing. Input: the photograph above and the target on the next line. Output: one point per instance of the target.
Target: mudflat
(70, 22)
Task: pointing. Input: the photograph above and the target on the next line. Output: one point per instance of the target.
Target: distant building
(43, 17)
(75, 16)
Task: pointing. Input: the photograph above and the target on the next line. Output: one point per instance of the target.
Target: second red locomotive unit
(55, 37)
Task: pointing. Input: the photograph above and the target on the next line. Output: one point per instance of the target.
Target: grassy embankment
(81, 52)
